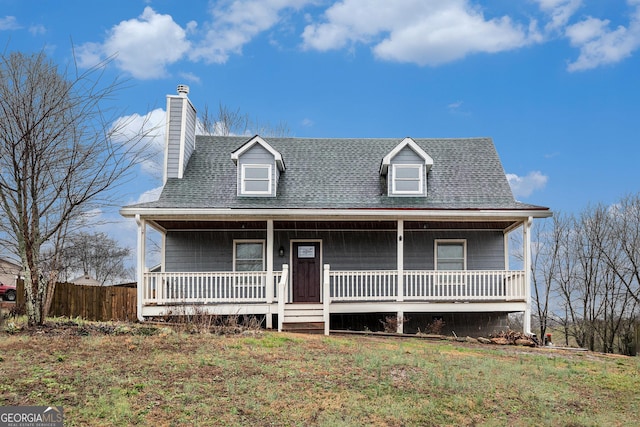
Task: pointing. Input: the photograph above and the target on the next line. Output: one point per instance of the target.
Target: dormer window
(256, 179)
(406, 168)
(259, 167)
(407, 179)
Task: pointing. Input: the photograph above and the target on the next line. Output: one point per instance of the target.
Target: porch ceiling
(333, 225)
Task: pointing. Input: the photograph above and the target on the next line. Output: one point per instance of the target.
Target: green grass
(177, 379)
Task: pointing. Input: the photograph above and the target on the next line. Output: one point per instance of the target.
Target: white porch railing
(427, 285)
(203, 288)
(343, 286)
(474, 285)
(372, 285)
(283, 291)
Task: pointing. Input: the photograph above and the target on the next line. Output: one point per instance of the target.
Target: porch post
(326, 298)
(163, 254)
(269, 282)
(526, 250)
(400, 261)
(505, 236)
(142, 226)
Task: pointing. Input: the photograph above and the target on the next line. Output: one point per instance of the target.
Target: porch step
(304, 327)
(303, 313)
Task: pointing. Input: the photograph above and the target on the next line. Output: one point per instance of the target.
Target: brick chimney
(180, 139)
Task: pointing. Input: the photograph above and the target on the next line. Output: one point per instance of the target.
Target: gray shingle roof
(344, 174)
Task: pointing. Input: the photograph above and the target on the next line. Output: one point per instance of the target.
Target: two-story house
(314, 230)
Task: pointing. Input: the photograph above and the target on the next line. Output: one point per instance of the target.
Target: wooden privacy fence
(99, 303)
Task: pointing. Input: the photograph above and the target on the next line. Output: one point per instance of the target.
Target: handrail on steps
(283, 294)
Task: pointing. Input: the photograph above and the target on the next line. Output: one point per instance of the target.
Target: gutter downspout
(140, 264)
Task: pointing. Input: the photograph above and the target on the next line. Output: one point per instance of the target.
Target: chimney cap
(183, 90)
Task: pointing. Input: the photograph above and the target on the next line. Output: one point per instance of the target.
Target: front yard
(116, 374)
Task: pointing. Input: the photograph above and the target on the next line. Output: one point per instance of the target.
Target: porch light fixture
(281, 251)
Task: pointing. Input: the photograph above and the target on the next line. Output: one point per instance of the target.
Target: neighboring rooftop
(86, 280)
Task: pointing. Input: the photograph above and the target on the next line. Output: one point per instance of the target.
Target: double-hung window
(451, 255)
(451, 259)
(256, 179)
(248, 255)
(407, 179)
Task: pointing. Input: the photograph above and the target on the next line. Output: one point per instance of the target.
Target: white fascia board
(386, 161)
(332, 214)
(258, 140)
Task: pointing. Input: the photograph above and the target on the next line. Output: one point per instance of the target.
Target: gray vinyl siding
(190, 134)
(173, 136)
(342, 250)
(485, 249)
(193, 251)
(174, 143)
(258, 155)
(406, 156)
(346, 250)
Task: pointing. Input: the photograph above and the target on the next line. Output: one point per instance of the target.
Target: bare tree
(586, 305)
(58, 159)
(595, 300)
(227, 122)
(618, 244)
(547, 241)
(588, 269)
(96, 255)
(621, 245)
(224, 122)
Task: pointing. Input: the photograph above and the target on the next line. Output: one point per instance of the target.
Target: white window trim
(449, 241)
(420, 168)
(235, 245)
(243, 179)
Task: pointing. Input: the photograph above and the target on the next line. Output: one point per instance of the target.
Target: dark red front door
(306, 271)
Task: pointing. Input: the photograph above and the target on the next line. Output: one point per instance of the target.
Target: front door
(305, 273)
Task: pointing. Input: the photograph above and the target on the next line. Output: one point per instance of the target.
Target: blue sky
(555, 83)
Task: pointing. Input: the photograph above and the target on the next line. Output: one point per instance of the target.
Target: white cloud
(423, 32)
(127, 129)
(523, 186)
(560, 11)
(455, 106)
(89, 54)
(9, 23)
(37, 30)
(586, 30)
(150, 195)
(143, 46)
(599, 45)
(236, 23)
(190, 77)
(426, 32)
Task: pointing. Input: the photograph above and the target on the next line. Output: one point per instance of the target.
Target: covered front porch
(306, 271)
(252, 293)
